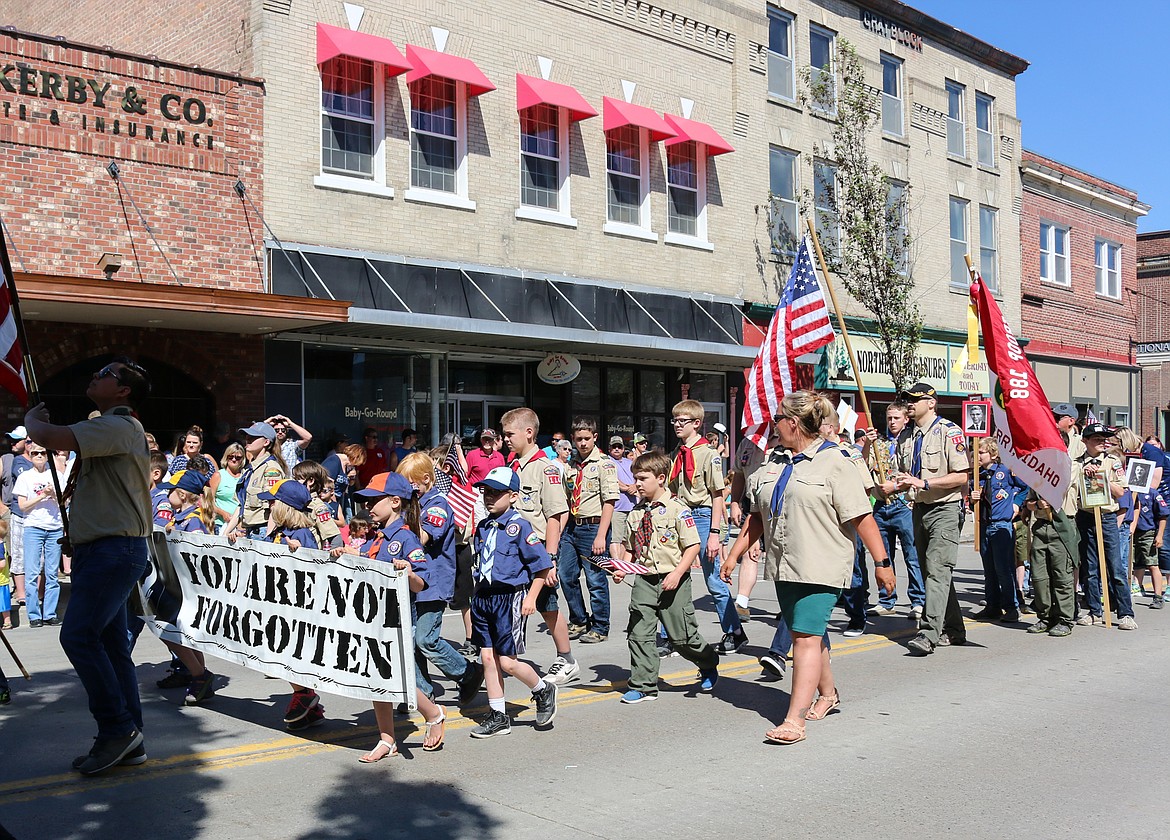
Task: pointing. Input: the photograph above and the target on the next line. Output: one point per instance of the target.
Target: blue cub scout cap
(292, 493)
(501, 478)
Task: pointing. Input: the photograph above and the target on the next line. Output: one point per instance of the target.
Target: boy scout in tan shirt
(663, 538)
(542, 502)
(933, 466)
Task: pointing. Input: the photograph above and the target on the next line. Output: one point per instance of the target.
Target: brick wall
(1154, 286)
(63, 209)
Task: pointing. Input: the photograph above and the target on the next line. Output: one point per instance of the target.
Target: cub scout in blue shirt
(1003, 496)
(511, 566)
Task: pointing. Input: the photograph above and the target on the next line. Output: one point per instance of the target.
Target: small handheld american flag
(461, 497)
(613, 564)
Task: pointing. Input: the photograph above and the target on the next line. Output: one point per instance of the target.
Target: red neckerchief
(517, 465)
(684, 461)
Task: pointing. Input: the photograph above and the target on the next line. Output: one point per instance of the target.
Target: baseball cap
(260, 429)
(1066, 410)
(487, 433)
(920, 391)
(19, 433)
(501, 478)
(189, 480)
(388, 484)
(639, 437)
(719, 427)
(1096, 429)
(617, 440)
(291, 492)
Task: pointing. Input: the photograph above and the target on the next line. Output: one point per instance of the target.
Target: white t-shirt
(46, 514)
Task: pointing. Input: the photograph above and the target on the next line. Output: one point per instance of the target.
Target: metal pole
(436, 433)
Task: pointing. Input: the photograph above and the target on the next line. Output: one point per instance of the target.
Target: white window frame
(819, 212)
(642, 230)
(563, 214)
(1105, 246)
(1049, 253)
(893, 105)
(989, 253)
(960, 277)
(700, 239)
(792, 204)
(831, 69)
(457, 199)
(780, 65)
(957, 124)
(903, 223)
(375, 185)
(985, 137)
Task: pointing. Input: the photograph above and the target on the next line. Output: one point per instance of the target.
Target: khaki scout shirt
(112, 497)
(266, 472)
(853, 455)
(707, 482)
(324, 526)
(597, 476)
(748, 459)
(542, 491)
(1076, 446)
(944, 451)
(673, 533)
(1111, 469)
(812, 539)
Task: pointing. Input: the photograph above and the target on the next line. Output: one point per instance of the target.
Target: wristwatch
(925, 484)
(883, 564)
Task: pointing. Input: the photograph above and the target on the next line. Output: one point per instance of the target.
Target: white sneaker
(562, 671)
(1127, 623)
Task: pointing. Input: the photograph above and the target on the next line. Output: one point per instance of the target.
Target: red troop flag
(800, 325)
(11, 352)
(1030, 445)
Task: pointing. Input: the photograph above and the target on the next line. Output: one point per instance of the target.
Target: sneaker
(562, 671)
(666, 649)
(468, 650)
(1134, 588)
(855, 629)
(631, 697)
(1061, 629)
(1010, 617)
(5, 696)
(133, 758)
(471, 684)
(920, 645)
(314, 717)
(108, 752)
(707, 679)
(1039, 627)
(732, 642)
(1127, 623)
(591, 638)
(1026, 608)
(773, 665)
(947, 640)
(175, 679)
(1157, 604)
(576, 631)
(1166, 595)
(988, 614)
(53, 622)
(546, 704)
(496, 723)
(880, 610)
(1088, 620)
(915, 613)
(301, 703)
(201, 688)
(744, 613)
(36, 622)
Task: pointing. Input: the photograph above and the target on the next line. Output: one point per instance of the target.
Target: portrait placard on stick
(1139, 475)
(977, 418)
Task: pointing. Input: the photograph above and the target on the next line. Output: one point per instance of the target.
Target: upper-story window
(958, 225)
(828, 220)
(685, 214)
(989, 246)
(956, 122)
(781, 76)
(897, 218)
(1054, 254)
(350, 114)
(822, 78)
(541, 158)
(1108, 265)
(892, 110)
(435, 149)
(626, 157)
(984, 138)
(785, 207)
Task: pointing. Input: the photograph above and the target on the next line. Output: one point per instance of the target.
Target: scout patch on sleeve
(324, 515)
(686, 519)
(532, 539)
(513, 529)
(554, 475)
(957, 440)
(417, 556)
(436, 517)
(164, 512)
(395, 547)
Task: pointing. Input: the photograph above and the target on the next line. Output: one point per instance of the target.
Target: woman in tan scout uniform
(809, 510)
(265, 468)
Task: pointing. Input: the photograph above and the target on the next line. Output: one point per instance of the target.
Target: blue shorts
(546, 601)
(5, 598)
(496, 621)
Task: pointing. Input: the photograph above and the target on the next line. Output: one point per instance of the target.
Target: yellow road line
(291, 746)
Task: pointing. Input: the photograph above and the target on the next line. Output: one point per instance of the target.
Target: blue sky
(1096, 93)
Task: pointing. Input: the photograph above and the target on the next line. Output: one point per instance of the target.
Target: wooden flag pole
(976, 483)
(1103, 564)
(840, 321)
(15, 658)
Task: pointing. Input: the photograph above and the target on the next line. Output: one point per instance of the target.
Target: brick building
(1079, 301)
(1153, 331)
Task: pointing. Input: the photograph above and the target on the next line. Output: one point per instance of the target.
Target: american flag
(11, 353)
(461, 496)
(800, 325)
(613, 564)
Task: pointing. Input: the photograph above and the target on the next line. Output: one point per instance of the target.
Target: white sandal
(431, 723)
(391, 752)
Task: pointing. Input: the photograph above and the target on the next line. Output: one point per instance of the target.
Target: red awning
(532, 91)
(698, 132)
(333, 41)
(430, 63)
(618, 114)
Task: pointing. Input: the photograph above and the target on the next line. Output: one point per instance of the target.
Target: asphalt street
(1012, 735)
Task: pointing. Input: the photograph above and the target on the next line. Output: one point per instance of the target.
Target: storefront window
(708, 387)
(619, 389)
(652, 391)
(586, 396)
(345, 391)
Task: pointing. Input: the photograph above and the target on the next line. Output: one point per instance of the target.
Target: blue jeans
(856, 597)
(782, 641)
(430, 646)
(720, 592)
(998, 552)
(94, 634)
(42, 551)
(896, 524)
(575, 551)
(1091, 567)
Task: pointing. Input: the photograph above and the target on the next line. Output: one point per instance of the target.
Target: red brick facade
(1154, 330)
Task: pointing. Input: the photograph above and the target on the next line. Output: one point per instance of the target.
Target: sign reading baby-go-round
(558, 369)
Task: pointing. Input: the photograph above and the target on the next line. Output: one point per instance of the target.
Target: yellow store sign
(933, 365)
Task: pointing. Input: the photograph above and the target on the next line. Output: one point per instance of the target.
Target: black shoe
(546, 704)
(1061, 629)
(1010, 617)
(773, 665)
(1039, 627)
(920, 645)
(1157, 604)
(36, 622)
(54, 622)
(468, 650)
(988, 614)
(201, 689)
(732, 642)
(666, 649)
(1026, 608)
(855, 629)
(5, 696)
(108, 752)
(496, 723)
(472, 683)
(175, 679)
(133, 758)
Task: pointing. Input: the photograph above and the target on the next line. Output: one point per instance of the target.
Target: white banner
(340, 625)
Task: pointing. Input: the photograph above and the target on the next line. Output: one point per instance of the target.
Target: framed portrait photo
(1095, 490)
(1139, 475)
(977, 418)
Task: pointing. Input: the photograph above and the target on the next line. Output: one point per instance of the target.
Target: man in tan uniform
(933, 464)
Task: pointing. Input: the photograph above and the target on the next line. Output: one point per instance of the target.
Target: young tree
(853, 196)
